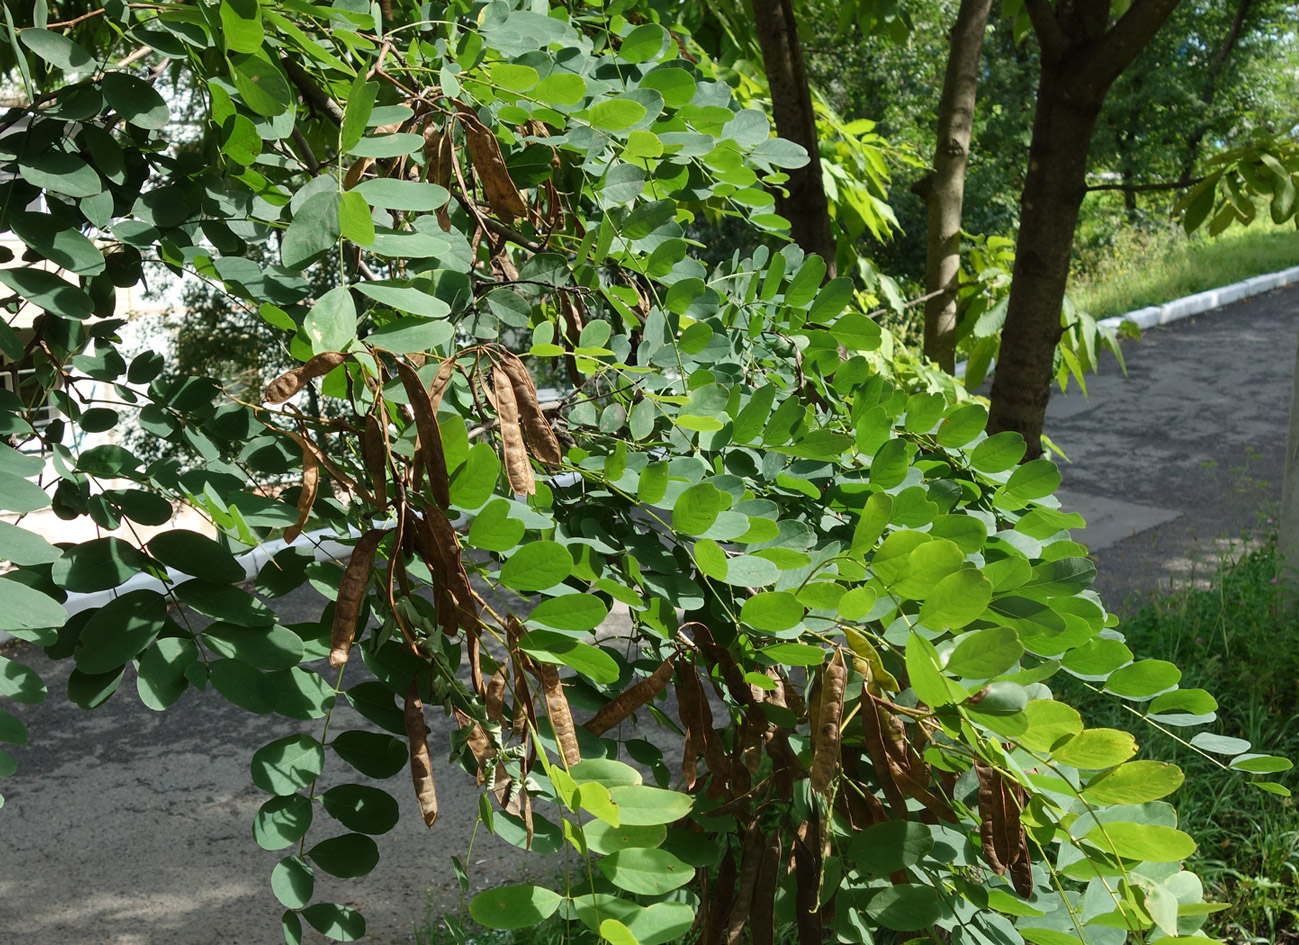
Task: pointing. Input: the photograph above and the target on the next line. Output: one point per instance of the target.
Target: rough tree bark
(1081, 56)
(944, 190)
(806, 207)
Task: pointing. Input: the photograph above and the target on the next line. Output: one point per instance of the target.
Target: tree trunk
(944, 190)
(1080, 61)
(1053, 194)
(806, 207)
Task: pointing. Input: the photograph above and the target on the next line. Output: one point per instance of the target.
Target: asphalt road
(129, 827)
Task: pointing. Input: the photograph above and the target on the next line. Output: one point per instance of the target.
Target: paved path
(126, 827)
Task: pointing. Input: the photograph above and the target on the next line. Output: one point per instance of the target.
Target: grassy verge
(1150, 268)
(1233, 640)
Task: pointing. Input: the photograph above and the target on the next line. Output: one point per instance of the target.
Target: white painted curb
(323, 542)
(1152, 316)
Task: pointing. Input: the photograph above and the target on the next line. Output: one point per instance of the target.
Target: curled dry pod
(375, 453)
(356, 172)
(290, 382)
(518, 468)
(999, 825)
(430, 436)
(825, 738)
(561, 716)
(351, 592)
(540, 435)
(752, 851)
(440, 381)
(442, 548)
(307, 497)
(485, 155)
(630, 699)
(421, 762)
(763, 911)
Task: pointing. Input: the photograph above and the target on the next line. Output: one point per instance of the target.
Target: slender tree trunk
(1053, 194)
(806, 207)
(1081, 58)
(944, 189)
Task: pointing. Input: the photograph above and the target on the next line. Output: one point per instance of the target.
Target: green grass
(1150, 268)
(1234, 640)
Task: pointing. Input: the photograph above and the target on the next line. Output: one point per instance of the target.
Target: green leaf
(615, 114)
(224, 602)
(57, 50)
(388, 193)
(360, 104)
(562, 650)
(1261, 764)
(315, 230)
(293, 882)
(513, 76)
(999, 452)
(12, 729)
(1049, 724)
(244, 686)
(1134, 782)
(241, 25)
(282, 821)
(361, 808)
(1096, 748)
(930, 686)
(91, 690)
(136, 100)
(348, 856)
(354, 220)
(288, 764)
(697, 508)
(643, 43)
(772, 611)
(19, 495)
(120, 630)
(1143, 679)
(475, 481)
(265, 647)
(955, 601)
(261, 85)
(1151, 843)
(61, 173)
(387, 146)
(20, 683)
(514, 907)
(493, 529)
(196, 555)
(560, 88)
(373, 754)
(1220, 744)
(47, 291)
(890, 846)
(331, 323)
(404, 298)
(984, 654)
(58, 241)
(160, 673)
(341, 923)
(645, 871)
(640, 805)
(577, 613)
(906, 908)
(537, 566)
(22, 608)
(605, 839)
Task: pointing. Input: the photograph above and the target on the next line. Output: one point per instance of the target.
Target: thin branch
(1146, 188)
(500, 229)
(308, 156)
(1049, 34)
(312, 92)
